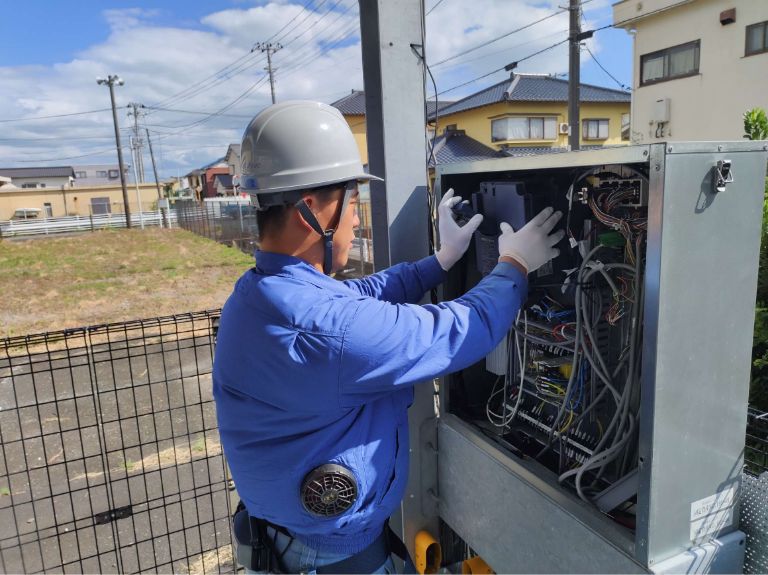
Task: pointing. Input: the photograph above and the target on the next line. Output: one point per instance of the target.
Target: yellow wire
(567, 423)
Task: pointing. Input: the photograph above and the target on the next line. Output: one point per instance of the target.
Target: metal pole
(138, 196)
(163, 211)
(154, 166)
(270, 49)
(126, 208)
(271, 77)
(392, 37)
(574, 74)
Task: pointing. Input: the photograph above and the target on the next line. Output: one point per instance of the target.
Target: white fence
(45, 226)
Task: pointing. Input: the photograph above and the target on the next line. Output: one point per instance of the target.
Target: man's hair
(273, 218)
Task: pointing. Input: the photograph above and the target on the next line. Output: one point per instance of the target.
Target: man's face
(345, 230)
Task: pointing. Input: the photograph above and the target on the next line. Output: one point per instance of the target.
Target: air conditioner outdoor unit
(564, 128)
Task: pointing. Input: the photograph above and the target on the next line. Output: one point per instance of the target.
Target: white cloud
(320, 59)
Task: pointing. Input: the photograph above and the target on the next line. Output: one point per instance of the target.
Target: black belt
(247, 529)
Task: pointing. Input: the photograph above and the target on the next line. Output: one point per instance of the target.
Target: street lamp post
(111, 81)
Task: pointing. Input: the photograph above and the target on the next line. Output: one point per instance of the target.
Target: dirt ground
(53, 283)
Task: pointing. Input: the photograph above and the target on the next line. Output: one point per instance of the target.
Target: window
(81, 174)
(100, 206)
(48, 210)
(594, 129)
(757, 39)
(524, 128)
(101, 173)
(113, 174)
(32, 185)
(676, 62)
(625, 127)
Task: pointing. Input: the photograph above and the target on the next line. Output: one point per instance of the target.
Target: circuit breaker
(606, 430)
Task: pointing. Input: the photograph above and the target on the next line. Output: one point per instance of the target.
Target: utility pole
(270, 49)
(111, 81)
(154, 166)
(574, 73)
(137, 143)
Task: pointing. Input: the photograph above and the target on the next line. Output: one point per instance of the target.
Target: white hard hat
(297, 145)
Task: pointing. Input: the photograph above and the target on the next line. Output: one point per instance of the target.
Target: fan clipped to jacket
(328, 490)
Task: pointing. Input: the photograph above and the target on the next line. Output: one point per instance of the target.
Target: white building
(100, 175)
(698, 66)
(57, 177)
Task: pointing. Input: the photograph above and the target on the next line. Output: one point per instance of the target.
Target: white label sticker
(712, 513)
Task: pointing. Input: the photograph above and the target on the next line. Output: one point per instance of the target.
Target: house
(208, 173)
(100, 175)
(232, 158)
(40, 178)
(352, 107)
(194, 181)
(698, 66)
(528, 113)
(50, 193)
(222, 183)
(454, 145)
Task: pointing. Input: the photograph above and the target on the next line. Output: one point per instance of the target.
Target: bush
(758, 389)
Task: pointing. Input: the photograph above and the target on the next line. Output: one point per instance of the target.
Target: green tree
(756, 128)
(755, 124)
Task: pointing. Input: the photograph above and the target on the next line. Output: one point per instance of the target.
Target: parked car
(26, 213)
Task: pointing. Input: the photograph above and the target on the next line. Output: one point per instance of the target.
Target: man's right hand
(533, 245)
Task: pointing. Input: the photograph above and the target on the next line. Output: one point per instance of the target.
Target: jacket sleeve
(401, 283)
(389, 345)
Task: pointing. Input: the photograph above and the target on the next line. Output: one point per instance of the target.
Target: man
(313, 376)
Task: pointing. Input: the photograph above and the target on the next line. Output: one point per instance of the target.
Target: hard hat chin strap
(326, 235)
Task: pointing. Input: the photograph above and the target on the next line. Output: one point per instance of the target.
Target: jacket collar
(271, 263)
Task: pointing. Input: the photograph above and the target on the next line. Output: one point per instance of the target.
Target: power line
(332, 43)
(561, 42)
(316, 22)
(502, 68)
(227, 73)
(304, 7)
(56, 138)
(307, 15)
(194, 112)
(505, 50)
(56, 115)
(435, 6)
(611, 76)
(498, 38)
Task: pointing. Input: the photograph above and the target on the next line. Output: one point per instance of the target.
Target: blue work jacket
(310, 370)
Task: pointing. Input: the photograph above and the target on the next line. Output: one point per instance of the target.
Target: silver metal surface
(698, 339)
(754, 517)
(516, 521)
(722, 555)
(701, 274)
(617, 155)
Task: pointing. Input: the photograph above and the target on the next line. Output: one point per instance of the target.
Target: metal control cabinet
(700, 284)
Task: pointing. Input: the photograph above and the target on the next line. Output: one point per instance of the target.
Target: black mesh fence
(756, 445)
(232, 223)
(109, 458)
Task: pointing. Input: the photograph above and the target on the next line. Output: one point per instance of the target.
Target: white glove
(454, 239)
(532, 246)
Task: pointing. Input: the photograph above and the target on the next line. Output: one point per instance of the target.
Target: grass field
(48, 284)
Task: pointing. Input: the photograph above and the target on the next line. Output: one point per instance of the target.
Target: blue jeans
(299, 558)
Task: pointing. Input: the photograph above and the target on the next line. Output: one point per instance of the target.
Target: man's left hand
(454, 239)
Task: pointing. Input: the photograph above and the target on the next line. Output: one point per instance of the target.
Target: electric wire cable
(7, 120)
(435, 5)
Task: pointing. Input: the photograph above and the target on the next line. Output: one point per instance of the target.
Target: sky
(192, 65)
